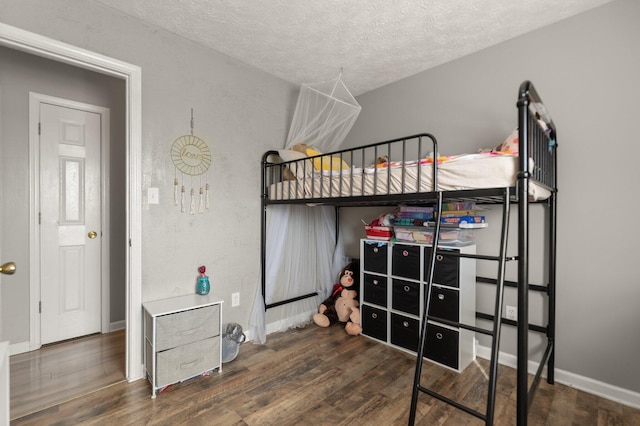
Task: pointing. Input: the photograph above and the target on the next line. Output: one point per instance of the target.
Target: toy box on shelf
(382, 233)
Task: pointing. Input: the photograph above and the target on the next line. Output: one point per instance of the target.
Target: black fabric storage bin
(375, 289)
(375, 257)
(405, 332)
(445, 303)
(405, 296)
(374, 322)
(406, 261)
(446, 268)
(441, 345)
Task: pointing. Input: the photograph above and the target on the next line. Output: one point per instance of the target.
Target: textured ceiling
(375, 42)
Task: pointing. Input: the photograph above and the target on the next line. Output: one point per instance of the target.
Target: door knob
(8, 268)
(92, 234)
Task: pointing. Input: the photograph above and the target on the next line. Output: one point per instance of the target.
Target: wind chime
(191, 157)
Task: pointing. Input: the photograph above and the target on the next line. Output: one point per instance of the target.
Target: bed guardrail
(357, 175)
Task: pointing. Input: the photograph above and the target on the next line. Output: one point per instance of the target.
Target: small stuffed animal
(342, 305)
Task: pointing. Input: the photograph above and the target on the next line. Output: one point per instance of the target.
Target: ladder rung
(461, 325)
(532, 327)
(452, 402)
(532, 287)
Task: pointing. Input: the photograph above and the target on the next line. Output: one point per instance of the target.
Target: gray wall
(586, 69)
(21, 73)
(239, 111)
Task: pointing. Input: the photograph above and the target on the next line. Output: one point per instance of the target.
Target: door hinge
(39, 127)
(39, 218)
(40, 307)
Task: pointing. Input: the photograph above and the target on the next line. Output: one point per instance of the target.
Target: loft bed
(409, 174)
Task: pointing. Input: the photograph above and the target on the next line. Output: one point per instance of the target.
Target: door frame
(35, 44)
(35, 277)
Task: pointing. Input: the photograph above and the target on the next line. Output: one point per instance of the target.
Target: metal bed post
(523, 257)
(551, 332)
(263, 226)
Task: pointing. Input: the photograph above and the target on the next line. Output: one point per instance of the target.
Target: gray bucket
(232, 336)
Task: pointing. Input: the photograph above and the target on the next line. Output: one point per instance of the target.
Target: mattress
(467, 171)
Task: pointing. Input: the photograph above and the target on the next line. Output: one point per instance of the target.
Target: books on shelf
(469, 222)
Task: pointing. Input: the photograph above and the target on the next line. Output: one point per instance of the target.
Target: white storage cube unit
(394, 282)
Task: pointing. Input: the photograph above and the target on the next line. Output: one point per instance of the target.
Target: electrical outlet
(235, 299)
(511, 313)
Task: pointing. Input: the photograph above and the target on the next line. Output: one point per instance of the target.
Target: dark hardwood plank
(322, 376)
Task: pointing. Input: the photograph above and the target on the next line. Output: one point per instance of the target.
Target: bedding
(460, 172)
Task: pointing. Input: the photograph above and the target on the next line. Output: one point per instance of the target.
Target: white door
(70, 223)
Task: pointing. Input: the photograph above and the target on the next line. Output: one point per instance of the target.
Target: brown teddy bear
(342, 305)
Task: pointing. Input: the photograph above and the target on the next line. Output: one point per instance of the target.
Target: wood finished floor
(64, 371)
(321, 376)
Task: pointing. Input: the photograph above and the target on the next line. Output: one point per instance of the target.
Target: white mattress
(469, 171)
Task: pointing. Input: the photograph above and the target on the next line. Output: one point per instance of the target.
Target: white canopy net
(302, 254)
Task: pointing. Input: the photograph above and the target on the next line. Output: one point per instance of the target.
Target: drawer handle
(405, 323)
(374, 315)
(375, 282)
(405, 253)
(439, 257)
(407, 288)
(440, 296)
(190, 364)
(439, 336)
(375, 249)
(187, 332)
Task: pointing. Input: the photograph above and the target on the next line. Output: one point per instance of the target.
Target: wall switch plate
(153, 196)
(511, 313)
(235, 299)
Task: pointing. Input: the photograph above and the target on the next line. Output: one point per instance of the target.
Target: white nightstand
(183, 338)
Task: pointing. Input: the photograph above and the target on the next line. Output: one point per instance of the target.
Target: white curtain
(302, 254)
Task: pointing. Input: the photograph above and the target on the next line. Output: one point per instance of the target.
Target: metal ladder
(501, 258)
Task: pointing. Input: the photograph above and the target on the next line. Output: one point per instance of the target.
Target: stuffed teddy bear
(342, 305)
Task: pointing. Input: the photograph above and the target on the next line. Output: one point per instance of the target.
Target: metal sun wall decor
(191, 157)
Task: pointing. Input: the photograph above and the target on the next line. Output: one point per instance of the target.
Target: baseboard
(19, 348)
(283, 324)
(117, 325)
(586, 384)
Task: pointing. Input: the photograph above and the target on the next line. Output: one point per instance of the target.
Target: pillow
(327, 162)
(300, 166)
(290, 155)
(510, 145)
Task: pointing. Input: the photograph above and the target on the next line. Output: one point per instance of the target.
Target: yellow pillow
(327, 162)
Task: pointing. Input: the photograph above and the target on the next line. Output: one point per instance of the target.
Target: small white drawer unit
(183, 338)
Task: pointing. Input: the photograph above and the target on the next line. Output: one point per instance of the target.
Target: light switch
(153, 196)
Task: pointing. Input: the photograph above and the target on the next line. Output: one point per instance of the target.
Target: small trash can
(232, 336)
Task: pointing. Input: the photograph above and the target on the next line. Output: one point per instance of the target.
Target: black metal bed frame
(537, 143)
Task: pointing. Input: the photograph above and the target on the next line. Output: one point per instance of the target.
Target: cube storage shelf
(394, 282)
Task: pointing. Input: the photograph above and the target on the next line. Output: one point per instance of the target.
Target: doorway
(15, 38)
